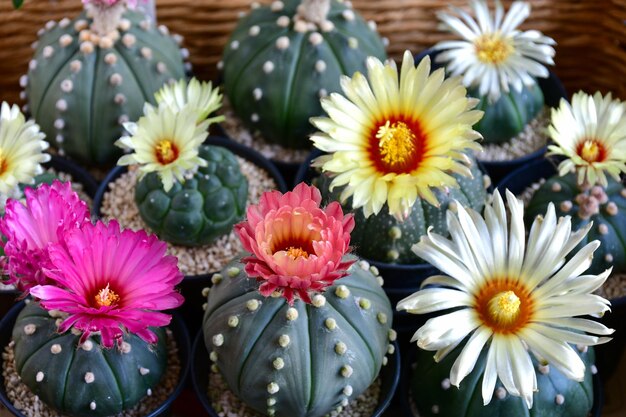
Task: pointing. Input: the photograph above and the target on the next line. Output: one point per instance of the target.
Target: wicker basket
(591, 35)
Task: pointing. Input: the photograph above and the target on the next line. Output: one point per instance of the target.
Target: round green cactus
(301, 360)
(82, 87)
(84, 380)
(277, 64)
(605, 207)
(202, 209)
(508, 116)
(557, 396)
(394, 238)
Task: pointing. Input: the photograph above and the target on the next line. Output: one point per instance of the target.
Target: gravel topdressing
(119, 203)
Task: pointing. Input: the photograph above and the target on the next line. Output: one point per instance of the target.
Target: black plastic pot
(201, 367)
(192, 285)
(181, 335)
(607, 355)
(553, 91)
(405, 383)
(9, 297)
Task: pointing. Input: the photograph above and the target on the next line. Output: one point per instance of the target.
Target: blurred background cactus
(282, 58)
(91, 74)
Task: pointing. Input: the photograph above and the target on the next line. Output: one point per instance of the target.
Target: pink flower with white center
(50, 210)
(111, 281)
(297, 247)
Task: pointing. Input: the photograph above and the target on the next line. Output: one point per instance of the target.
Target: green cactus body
(304, 360)
(508, 116)
(557, 396)
(394, 238)
(80, 93)
(201, 209)
(86, 380)
(606, 208)
(277, 67)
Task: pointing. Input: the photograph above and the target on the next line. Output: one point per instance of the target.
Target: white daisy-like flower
(200, 96)
(22, 149)
(165, 141)
(591, 133)
(391, 138)
(510, 296)
(494, 54)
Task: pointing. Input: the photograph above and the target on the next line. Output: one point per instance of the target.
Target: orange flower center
(492, 48)
(504, 305)
(3, 163)
(296, 252)
(591, 151)
(106, 297)
(397, 146)
(166, 151)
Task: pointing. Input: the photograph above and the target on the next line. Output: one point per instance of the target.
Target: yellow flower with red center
(591, 133)
(391, 138)
(509, 295)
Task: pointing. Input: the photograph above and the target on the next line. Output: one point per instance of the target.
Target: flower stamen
(3, 163)
(166, 151)
(106, 297)
(504, 308)
(591, 151)
(297, 252)
(493, 48)
(396, 143)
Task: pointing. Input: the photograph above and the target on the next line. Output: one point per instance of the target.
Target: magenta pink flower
(111, 281)
(297, 247)
(50, 210)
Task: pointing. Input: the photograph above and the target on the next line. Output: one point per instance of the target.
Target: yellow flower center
(493, 48)
(166, 151)
(504, 307)
(106, 297)
(396, 143)
(591, 151)
(296, 252)
(3, 163)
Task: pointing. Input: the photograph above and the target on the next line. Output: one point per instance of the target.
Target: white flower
(494, 54)
(21, 149)
(165, 141)
(591, 133)
(392, 138)
(200, 96)
(510, 296)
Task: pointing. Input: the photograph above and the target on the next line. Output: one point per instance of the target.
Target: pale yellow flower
(21, 149)
(392, 139)
(165, 141)
(591, 134)
(200, 96)
(509, 295)
(493, 54)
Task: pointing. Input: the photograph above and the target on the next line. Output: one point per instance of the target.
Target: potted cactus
(397, 156)
(188, 192)
(92, 342)
(501, 65)
(91, 74)
(26, 164)
(297, 326)
(507, 316)
(279, 60)
(589, 136)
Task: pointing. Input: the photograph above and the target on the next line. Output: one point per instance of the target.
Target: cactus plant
(84, 379)
(393, 244)
(556, 395)
(82, 84)
(604, 206)
(281, 58)
(202, 208)
(301, 360)
(509, 114)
